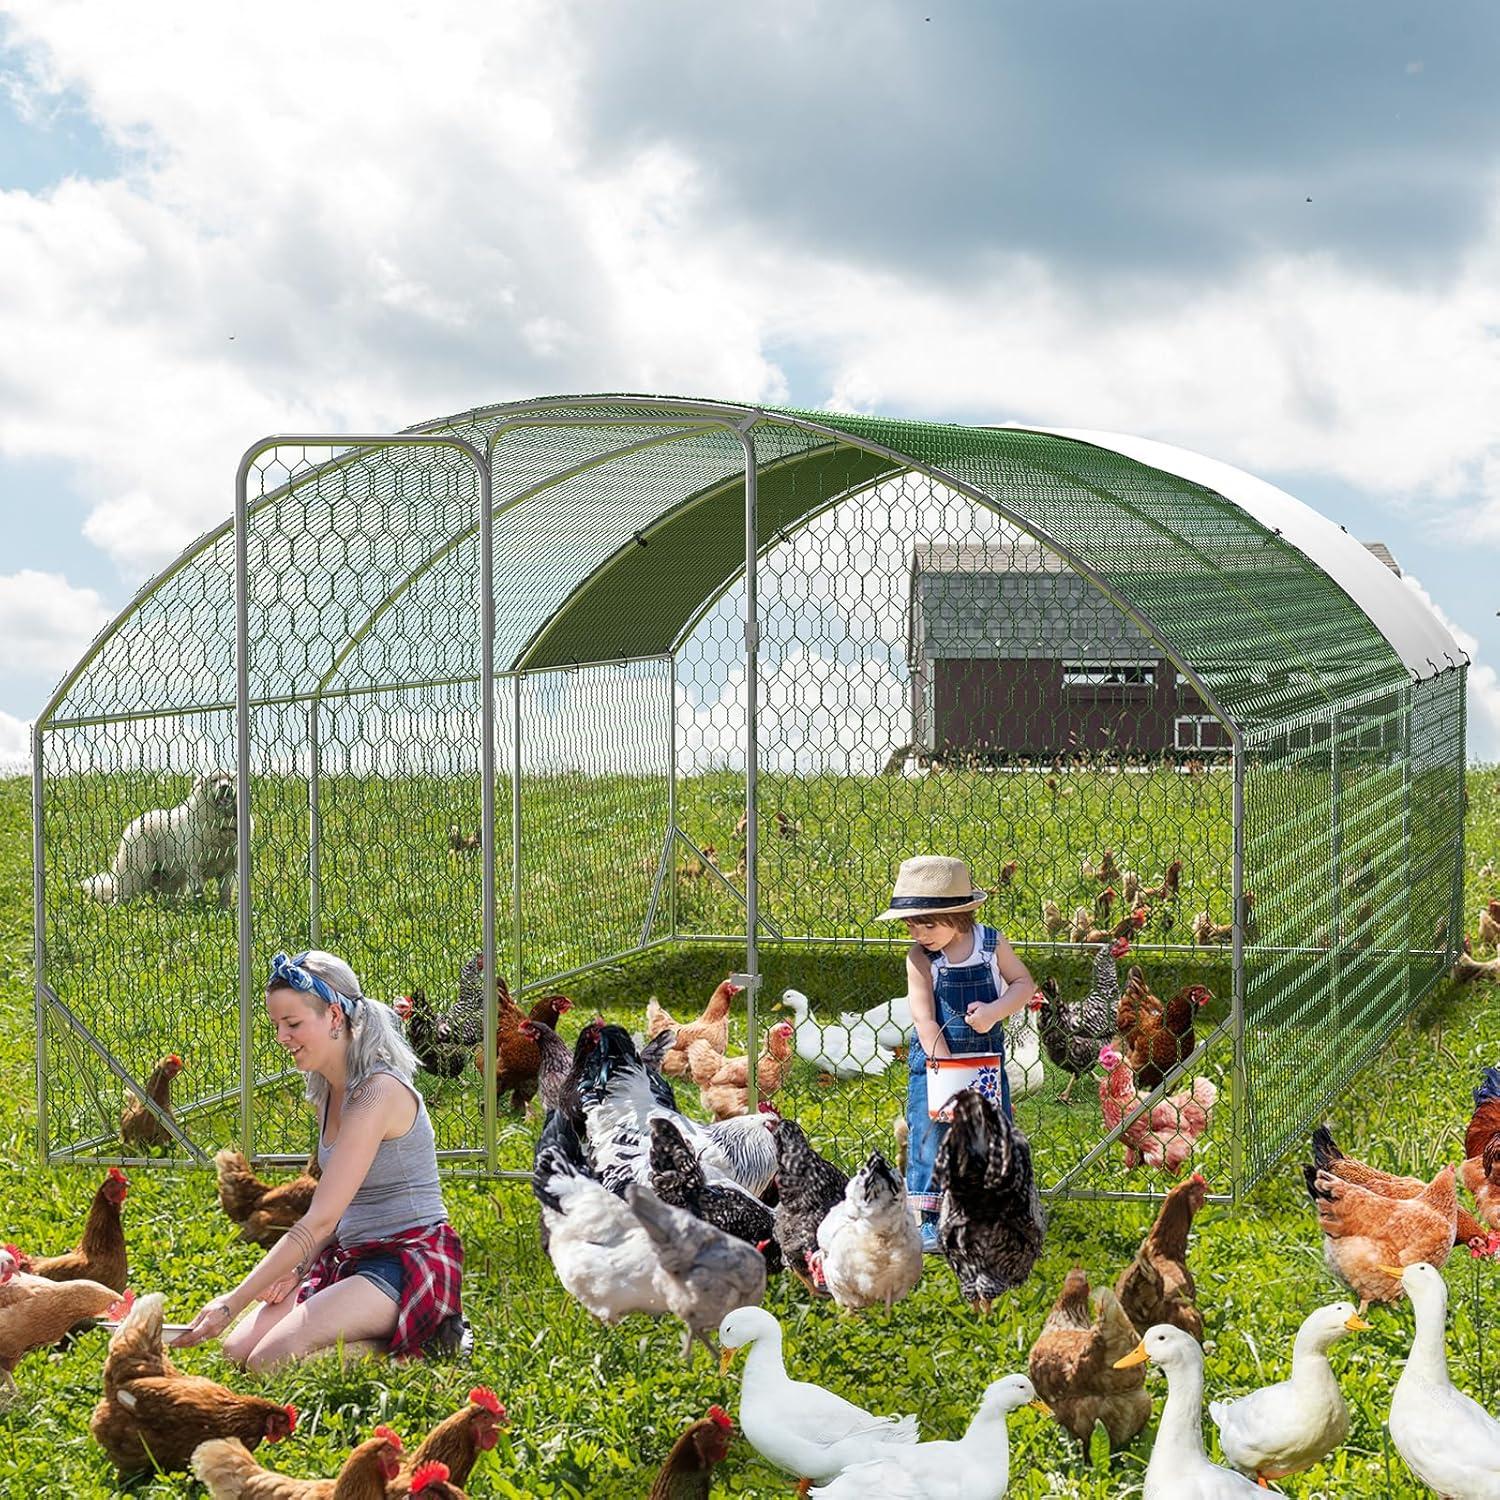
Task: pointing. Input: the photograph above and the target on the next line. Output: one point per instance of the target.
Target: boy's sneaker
(929, 1232)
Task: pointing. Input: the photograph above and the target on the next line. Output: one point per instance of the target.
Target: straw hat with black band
(932, 885)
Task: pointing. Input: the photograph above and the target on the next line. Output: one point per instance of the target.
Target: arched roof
(619, 519)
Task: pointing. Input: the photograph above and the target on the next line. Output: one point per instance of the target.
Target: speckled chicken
(1072, 1365)
(808, 1186)
(707, 1273)
(677, 1178)
(1074, 1031)
(869, 1250)
(991, 1224)
(1157, 1287)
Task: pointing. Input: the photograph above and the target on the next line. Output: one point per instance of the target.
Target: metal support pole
(672, 801)
(39, 929)
(245, 926)
(314, 826)
(752, 760)
(517, 905)
(1409, 937)
(1240, 1129)
(1336, 863)
(487, 805)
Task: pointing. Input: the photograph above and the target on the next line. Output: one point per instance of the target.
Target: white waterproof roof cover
(1415, 633)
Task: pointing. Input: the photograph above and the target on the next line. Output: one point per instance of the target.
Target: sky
(1268, 233)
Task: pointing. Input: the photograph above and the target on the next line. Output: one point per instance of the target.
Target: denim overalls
(954, 990)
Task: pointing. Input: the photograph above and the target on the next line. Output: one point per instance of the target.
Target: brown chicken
(1072, 1365)
(135, 1347)
(100, 1255)
(227, 1468)
(156, 1421)
(1168, 887)
(688, 1472)
(431, 1482)
(557, 1061)
(1328, 1158)
(1156, 1036)
(1364, 1231)
(263, 1210)
(1489, 924)
(1467, 967)
(1484, 1123)
(1052, 917)
(35, 1312)
(138, 1126)
(456, 1441)
(1157, 1287)
(1481, 1175)
(518, 1060)
(711, 1027)
(724, 1082)
(1207, 932)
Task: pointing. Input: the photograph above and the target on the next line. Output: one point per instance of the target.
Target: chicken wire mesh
(1027, 651)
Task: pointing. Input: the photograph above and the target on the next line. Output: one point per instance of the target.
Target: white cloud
(1484, 684)
(366, 230)
(45, 622)
(15, 745)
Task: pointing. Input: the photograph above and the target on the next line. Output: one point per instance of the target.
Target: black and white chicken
(991, 1224)
(1074, 1031)
(808, 1186)
(677, 1178)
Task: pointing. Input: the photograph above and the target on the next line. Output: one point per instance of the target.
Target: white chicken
(596, 1244)
(869, 1250)
(843, 1051)
(1023, 1050)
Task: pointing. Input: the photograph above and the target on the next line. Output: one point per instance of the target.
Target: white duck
(1179, 1468)
(800, 1427)
(890, 1021)
(1288, 1427)
(843, 1051)
(1448, 1440)
(975, 1467)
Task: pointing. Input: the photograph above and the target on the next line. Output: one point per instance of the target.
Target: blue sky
(1268, 233)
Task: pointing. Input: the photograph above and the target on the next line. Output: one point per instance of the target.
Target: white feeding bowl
(947, 1077)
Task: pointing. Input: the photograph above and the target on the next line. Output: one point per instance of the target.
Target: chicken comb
(116, 1174)
(385, 1432)
(429, 1473)
(117, 1311)
(14, 1251)
(175, 1059)
(483, 1396)
(291, 1418)
(1199, 1178)
(720, 1418)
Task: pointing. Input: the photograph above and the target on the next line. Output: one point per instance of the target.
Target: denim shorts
(385, 1271)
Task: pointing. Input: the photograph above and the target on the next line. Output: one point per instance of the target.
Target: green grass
(595, 1409)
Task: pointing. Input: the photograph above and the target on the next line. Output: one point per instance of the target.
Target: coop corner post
(752, 757)
(1239, 1119)
(39, 934)
(242, 785)
(487, 794)
(314, 825)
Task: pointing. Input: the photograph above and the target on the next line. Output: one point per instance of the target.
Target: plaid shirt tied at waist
(431, 1269)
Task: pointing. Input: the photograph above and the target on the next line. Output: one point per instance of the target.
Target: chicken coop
(629, 694)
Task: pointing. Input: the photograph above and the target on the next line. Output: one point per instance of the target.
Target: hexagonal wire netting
(1129, 705)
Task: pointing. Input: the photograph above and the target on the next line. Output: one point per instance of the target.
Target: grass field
(593, 1409)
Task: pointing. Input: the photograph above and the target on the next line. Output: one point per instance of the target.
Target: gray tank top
(401, 1189)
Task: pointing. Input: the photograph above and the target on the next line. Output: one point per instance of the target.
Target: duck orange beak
(1356, 1324)
(1391, 1271)
(1137, 1356)
(1041, 1406)
(726, 1358)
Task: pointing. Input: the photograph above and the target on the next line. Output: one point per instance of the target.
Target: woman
(374, 1260)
